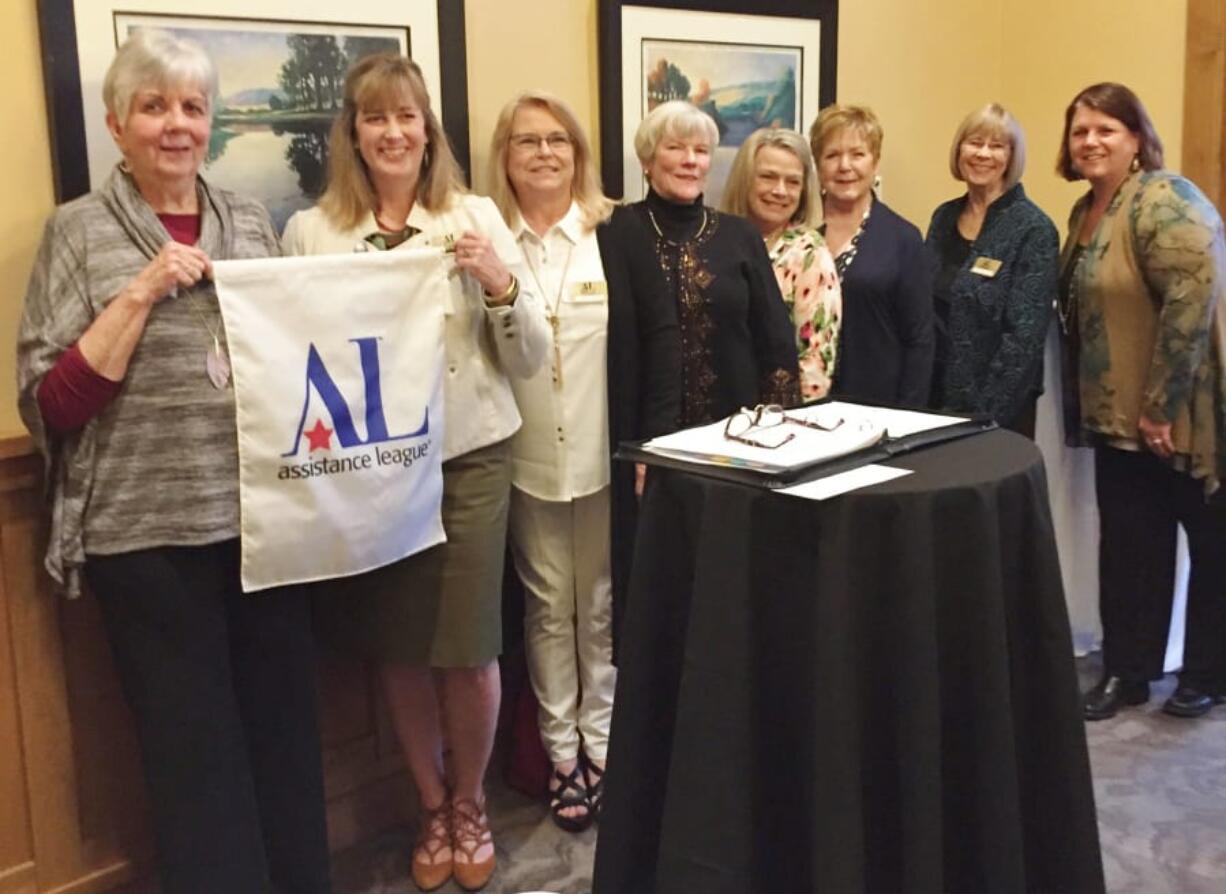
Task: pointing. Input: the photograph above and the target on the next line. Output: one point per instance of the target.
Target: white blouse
(562, 451)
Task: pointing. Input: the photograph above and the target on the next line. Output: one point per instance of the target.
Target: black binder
(885, 449)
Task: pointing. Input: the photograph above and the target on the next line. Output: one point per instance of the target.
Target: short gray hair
(155, 58)
(993, 120)
(675, 118)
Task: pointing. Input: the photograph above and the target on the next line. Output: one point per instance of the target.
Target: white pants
(561, 552)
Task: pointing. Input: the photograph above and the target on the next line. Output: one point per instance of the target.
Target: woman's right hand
(108, 343)
(174, 266)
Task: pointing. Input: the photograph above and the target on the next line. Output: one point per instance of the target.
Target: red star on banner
(320, 437)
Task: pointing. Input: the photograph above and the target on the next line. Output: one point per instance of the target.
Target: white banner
(338, 378)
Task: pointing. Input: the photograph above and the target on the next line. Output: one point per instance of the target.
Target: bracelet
(506, 297)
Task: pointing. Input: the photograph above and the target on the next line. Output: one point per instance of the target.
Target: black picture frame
(65, 112)
(612, 139)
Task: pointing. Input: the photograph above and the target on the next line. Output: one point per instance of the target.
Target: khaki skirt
(441, 607)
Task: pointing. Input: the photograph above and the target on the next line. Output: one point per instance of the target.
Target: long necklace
(216, 363)
(1066, 305)
(555, 319)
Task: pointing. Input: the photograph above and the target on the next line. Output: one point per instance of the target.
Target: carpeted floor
(1160, 785)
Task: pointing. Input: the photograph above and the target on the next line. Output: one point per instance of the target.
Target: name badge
(589, 290)
(988, 267)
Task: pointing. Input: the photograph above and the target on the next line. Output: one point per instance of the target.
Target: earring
(1136, 164)
(425, 158)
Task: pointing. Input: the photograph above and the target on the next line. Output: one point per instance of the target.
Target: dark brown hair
(1123, 105)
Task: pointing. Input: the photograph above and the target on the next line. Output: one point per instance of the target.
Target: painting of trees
(313, 75)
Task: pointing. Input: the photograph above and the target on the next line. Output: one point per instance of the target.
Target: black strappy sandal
(594, 777)
(571, 792)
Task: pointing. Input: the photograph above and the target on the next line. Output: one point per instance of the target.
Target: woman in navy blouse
(995, 259)
(886, 350)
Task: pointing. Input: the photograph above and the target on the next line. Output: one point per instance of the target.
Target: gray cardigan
(159, 465)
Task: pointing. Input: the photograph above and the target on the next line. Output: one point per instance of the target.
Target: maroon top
(72, 392)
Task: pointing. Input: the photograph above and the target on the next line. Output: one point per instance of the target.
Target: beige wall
(1049, 57)
(920, 65)
(26, 195)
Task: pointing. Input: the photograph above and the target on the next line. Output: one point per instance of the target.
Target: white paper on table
(897, 423)
(833, 485)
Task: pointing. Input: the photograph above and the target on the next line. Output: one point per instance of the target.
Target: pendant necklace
(555, 320)
(216, 363)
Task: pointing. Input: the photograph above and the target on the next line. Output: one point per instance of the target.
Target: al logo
(318, 379)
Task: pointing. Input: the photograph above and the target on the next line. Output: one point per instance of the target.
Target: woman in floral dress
(773, 183)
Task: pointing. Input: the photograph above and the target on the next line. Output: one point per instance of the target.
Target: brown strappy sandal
(433, 837)
(470, 831)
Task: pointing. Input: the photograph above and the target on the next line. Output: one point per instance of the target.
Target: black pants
(1141, 500)
(1023, 423)
(222, 686)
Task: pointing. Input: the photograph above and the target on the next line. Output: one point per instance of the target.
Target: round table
(875, 693)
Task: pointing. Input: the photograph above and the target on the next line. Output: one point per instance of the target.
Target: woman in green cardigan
(1142, 311)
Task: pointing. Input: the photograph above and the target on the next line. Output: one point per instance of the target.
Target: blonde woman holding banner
(433, 620)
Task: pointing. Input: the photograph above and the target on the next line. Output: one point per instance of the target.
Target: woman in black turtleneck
(736, 336)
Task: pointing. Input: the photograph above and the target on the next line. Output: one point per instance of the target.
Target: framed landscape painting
(747, 64)
(280, 74)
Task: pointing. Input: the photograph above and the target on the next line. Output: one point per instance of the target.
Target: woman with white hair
(773, 183)
(995, 257)
(718, 307)
(736, 335)
(124, 385)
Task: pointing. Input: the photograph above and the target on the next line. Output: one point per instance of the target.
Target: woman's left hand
(474, 253)
(1157, 437)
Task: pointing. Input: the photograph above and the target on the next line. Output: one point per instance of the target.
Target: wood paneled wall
(1204, 118)
(73, 817)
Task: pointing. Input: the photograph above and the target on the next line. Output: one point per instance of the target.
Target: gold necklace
(555, 320)
(656, 226)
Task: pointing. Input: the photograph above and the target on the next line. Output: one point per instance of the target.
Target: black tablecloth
(871, 694)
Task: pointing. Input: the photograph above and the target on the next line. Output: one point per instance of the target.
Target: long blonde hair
(379, 81)
(585, 185)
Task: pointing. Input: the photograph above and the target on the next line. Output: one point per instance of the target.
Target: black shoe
(1111, 694)
(1188, 701)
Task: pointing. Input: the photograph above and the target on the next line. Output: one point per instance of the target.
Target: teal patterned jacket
(989, 356)
(1147, 300)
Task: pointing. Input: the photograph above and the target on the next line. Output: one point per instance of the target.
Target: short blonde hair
(675, 118)
(836, 118)
(155, 58)
(585, 185)
(993, 120)
(744, 166)
(380, 81)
